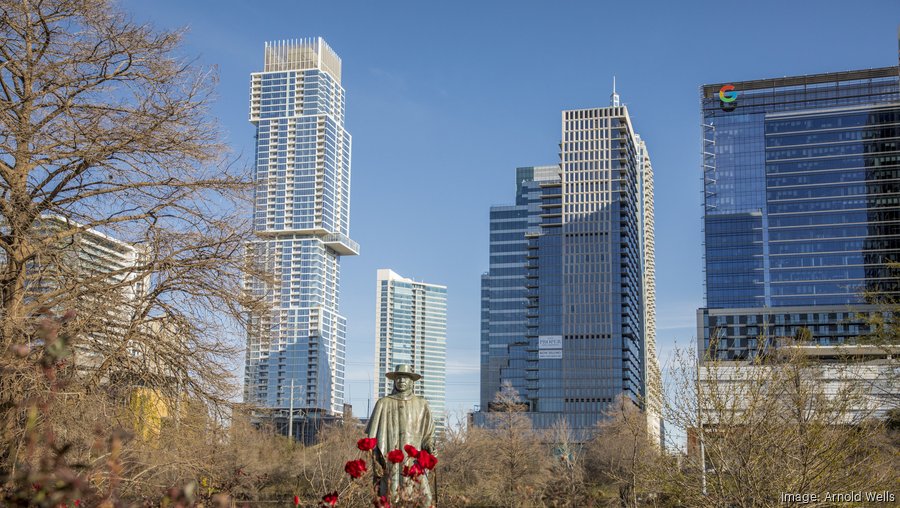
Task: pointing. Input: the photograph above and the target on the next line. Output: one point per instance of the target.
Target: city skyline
(406, 108)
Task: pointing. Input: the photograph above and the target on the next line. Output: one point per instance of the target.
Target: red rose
(427, 460)
(355, 468)
(413, 471)
(330, 499)
(395, 456)
(367, 443)
(411, 450)
(382, 502)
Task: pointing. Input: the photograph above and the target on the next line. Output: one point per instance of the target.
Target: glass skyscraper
(801, 207)
(302, 220)
(567, 312)
(411, 329)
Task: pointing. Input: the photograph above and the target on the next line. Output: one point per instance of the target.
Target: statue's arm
(428, 434)
(373, 428)
(374, 420)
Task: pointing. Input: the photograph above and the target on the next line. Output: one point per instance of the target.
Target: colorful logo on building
(728, 96)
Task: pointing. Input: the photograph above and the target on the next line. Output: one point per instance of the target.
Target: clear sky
(446, 99)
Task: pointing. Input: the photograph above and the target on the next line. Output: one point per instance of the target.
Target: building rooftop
(712, 90)
(302, 54)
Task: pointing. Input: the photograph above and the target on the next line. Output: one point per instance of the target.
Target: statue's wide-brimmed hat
(404, 371)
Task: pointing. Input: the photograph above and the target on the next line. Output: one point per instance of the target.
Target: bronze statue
(399, 419)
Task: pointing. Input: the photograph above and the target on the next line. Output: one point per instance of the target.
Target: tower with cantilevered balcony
(296, 348)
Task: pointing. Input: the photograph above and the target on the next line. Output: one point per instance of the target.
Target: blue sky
(446, 99)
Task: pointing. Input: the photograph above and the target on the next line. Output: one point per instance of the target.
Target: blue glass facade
(301, 216)
(832, 189)
(801, 204)
(504, 291)
(563, 305)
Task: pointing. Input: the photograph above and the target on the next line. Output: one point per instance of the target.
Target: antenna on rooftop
(614, 98)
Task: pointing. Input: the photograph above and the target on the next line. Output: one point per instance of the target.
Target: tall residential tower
(411, 329)
(567, 306)
(302, 221)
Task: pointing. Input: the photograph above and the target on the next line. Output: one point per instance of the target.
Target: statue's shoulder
(382, 406)
(421, 400)
(383, 400)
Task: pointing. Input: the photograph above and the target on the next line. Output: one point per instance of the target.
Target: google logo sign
(726, 94)
(728, 97)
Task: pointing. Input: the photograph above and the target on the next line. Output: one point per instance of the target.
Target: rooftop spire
(614, 98)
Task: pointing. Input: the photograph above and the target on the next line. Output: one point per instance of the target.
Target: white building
(411, 329)
(302, 220)
(653, 399)
(98, 276)
(851, 383)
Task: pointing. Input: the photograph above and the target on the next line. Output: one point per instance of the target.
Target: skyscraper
(565, 313)
(411, 329)
(801, 208)
(504, 289)
(302, 220)
(653, 396)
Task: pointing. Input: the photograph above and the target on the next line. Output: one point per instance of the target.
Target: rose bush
(367, 443)
(413, 465)
(330, 499)
(355, 468)
(427, 460)
(411, 451)
(413, 471)
(395, 456)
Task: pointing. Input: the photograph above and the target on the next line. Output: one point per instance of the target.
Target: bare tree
(115, 201)
(567, 468)
(883, 341)
(620, 455)
(520, 467)
(505, 463)
(770, 429)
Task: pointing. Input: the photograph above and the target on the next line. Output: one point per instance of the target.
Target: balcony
(342, 244)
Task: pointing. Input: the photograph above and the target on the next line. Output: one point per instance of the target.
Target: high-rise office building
(302, 220)
(802, 208)
(504, 289)
(567, 306)
(411, 329)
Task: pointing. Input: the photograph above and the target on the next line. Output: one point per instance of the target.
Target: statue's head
(403, 378)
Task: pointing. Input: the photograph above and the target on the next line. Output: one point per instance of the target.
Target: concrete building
(855, 382)
(98, 276)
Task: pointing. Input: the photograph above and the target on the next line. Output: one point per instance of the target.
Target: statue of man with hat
(399, 419)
